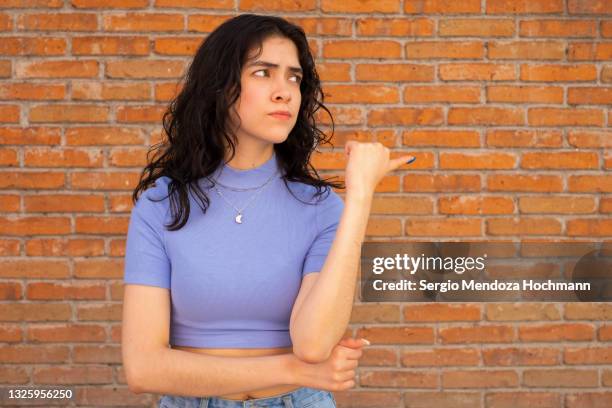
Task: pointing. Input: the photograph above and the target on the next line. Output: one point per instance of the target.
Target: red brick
(361, 94)
(441, 182)
(64, 203)
(73, 375)
(383, 227)
(103, 135)
(558, 73)
(523, 226)
(475, 205)
(479, 71)
(361, 49)
(101, 4)
(525, 94)
(89, 45)
(31, 312)
(589, 96)
(33, 46)
(436, 312)
(527, 50)
(443, 357)
(588, 400)
(441, 6)
(441, 399)
(605, 205)
(606, 74)
(560, 160)
(441, 93)
(405, 116)
(589, 7)
(486, 116)
(589, 51)
(394, 72)
(590, 183)
(68, 113)
(515, 356)
(606, 28)
(444, 49)
(143, 22)
(177, 45)
(211, 4)
(56, 69)
(441, 138)
(480, 379)
(367, 6)
(401, 27)
(34, 225)
(557, 205)
(565, 117)
(524, 138)
(397, 335)
(556, 332)
(524, 6)
(402, 205)
(476, 28)
(205, 23)
(477, 160)
(127, 69)
(562, 377)
(374, 313)
(479, 334)
(589, 227)
(588, 311)
(456, 227)
(317, 25)
(587, 355)
(402, 379)
(34, 354)
(557, 28)
(57, 22)
(333, 72)
(526, 399)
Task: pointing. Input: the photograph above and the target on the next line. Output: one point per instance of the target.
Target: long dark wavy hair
(195, 122)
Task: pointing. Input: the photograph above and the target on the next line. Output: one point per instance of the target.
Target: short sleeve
(328, 212)
(146, 261)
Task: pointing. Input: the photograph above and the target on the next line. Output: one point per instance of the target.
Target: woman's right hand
(337, 373)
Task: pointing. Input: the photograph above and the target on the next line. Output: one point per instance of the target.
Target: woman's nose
(281, 90)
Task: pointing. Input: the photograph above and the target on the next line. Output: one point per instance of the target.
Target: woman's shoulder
(155, 198)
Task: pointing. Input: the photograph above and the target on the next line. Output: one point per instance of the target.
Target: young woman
(241, 263)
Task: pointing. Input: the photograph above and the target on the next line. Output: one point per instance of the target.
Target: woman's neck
(247, 160)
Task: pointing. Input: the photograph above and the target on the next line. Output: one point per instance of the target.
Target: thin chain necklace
(238, 217)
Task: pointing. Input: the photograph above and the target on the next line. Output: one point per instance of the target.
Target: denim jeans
(301, 398)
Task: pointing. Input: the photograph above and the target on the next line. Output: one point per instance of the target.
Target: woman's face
(269, 83)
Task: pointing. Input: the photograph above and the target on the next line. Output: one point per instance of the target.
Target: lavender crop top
(232, 285)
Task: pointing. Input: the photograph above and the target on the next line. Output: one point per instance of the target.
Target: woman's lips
(280, 116)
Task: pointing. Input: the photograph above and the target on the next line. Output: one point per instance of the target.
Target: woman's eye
(299, 78)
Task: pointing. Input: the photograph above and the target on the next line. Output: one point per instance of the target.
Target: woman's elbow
(311, 354)
(134, 376)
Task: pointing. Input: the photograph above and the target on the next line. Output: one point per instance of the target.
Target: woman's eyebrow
(271, 65)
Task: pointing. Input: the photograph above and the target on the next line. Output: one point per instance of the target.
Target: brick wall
(505, 103)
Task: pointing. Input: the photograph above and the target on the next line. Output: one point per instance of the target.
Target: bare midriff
(260, 393)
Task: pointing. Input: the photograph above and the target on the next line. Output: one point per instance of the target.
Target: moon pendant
(238, 219)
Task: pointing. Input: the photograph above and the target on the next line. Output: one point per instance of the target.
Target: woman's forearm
(324, 314)
(178, 372)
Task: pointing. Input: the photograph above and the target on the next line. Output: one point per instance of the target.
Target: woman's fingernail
(366, 341)
(411, 159)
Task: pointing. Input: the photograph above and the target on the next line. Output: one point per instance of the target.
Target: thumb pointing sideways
(354, 343)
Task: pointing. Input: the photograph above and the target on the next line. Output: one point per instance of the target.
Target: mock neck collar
(246, 178)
